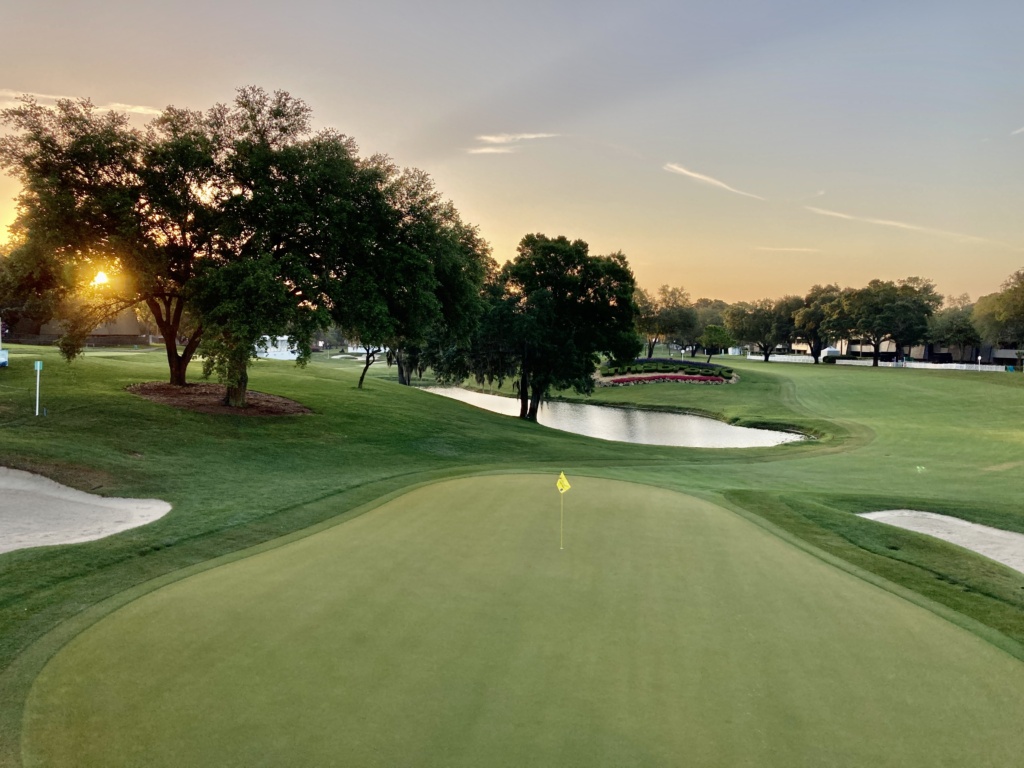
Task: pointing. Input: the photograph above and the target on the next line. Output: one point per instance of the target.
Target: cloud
(787, 250)
(492, 150)
(676, 168)
(505, 143)
(138, 109)
(10, 98)
(896, 224)
(513, 138)
(1019, 130)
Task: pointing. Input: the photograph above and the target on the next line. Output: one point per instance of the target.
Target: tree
(708, 312)
(666, 317)
(551, 313)
(427, 272)
(676, 318)
(765, 323)
(784, 310)
(32, 286)
(90, 203)
(916, 300)
(810, 321)
(953, 327)
(714, 339)
(866, 309)
(647, 320)
(1000, 316)
(245, 187)
(884, 310)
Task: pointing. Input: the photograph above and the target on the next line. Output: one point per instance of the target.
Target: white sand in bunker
(36, 511)
(1005, 547)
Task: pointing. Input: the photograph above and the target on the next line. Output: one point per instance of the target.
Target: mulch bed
(209, 398)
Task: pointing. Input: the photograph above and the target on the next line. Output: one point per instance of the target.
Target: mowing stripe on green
(447, 629)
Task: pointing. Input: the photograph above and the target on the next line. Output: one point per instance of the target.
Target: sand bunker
(1002, 546)
(36, 512)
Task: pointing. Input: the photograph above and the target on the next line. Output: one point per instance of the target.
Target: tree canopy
(550, 313)
(422, 288)
(765, 323)
(1000, 316)
(229, 225)
(952, 326)
(885, 310)
(665, 317)
(810, 320)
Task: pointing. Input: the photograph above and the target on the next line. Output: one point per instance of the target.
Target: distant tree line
(905, 313)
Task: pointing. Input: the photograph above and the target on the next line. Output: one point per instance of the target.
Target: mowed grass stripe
(446, 628)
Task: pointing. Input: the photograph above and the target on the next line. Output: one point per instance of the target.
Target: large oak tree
(226, 225)
(551, 312)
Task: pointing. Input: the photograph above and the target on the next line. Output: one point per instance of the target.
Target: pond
(629, 425)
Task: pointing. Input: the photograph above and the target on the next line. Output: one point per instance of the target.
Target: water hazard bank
(629, 425)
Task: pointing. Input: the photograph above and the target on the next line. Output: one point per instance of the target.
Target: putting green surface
(446, 628)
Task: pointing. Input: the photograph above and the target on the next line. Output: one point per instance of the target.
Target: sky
(741, 149)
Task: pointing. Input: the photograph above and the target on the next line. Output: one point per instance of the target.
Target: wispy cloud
(491, 150)
(138, 109)
(514, 138)
(505, 143)
(787, 250)
(1019, 130)
(676, 168)
(9, 98)
(896, 224)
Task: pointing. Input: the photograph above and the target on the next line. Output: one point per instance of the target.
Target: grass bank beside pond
(890, 438)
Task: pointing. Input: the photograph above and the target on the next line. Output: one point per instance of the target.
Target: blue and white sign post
(39, 368)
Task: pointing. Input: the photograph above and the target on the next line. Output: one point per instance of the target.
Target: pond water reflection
(629, 425)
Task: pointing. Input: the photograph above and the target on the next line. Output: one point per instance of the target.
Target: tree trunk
(371, 356)
(234, 395)
(535, 397)
(876, 352)
(650, 348)
(524, 395)
(816, 351)
(236, 374)
(178, 367)
(167, 317)
(401, 362)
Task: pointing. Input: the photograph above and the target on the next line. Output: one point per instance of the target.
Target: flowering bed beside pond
(623, 381)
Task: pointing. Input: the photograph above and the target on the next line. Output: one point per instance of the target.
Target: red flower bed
(621, 381)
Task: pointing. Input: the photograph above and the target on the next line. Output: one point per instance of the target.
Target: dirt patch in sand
(209, 398)
(1005, 547)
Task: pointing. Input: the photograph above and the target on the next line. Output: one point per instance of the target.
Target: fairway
(446, 628)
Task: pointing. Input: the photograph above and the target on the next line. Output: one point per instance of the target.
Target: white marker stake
(39, 368)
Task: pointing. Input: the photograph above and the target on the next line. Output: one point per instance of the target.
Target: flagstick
(561, 521)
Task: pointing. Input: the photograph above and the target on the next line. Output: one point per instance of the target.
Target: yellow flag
(562, 485)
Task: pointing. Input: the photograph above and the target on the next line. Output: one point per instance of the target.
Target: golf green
(447, 628)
